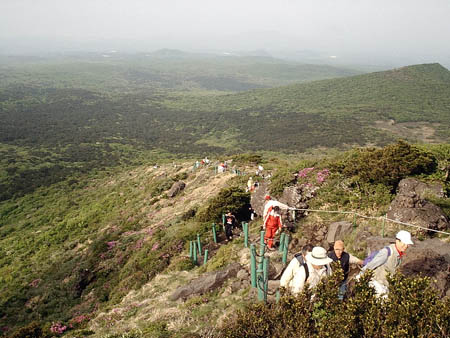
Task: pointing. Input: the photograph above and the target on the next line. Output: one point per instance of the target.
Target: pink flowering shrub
(322, 175)
(111, 244)
(58, 328)
(35, 283)
(304, 172)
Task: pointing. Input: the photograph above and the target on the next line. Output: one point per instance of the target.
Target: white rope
(370, 217)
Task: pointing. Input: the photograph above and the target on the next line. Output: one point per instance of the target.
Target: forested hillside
(59, 120)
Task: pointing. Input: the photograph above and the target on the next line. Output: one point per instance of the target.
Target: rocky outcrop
(408, 185)
(338, 230)
(176, 188)
(207, 282)
(408, 207)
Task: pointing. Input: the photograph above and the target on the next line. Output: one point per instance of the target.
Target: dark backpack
(302, 262)
(374, 253)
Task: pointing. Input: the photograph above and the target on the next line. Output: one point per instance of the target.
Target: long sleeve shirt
(293, 277)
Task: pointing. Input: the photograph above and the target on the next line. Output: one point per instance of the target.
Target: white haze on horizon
(383, 29)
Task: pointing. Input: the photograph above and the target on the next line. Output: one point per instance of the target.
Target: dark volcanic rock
(207, 282)
(176, 188)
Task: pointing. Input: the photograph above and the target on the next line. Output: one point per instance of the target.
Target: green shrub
(387, 165)
(232, 199)
(33, 330)
(412, 309)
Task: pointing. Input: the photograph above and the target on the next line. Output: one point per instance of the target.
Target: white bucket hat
(404, 236)
(318, 256)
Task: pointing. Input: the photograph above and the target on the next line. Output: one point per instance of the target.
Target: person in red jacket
(272, 225)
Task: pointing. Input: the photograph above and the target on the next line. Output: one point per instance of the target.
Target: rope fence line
(382, 218)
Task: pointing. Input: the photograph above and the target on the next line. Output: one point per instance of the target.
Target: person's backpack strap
(305, 266)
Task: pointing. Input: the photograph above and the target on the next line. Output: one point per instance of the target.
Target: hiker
(316, 267)
(272, 226)
(270, 203)
(230, 224)
(387, 260)
(250, 186)
(345, 259)
(294, 265)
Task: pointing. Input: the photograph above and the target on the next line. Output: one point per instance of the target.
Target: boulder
(421, 189)
(207, 282)
(408, 207)
(338, 230)
(176, 188)
(429, 258)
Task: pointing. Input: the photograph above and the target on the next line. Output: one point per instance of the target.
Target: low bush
(233, 199)
(412, 309)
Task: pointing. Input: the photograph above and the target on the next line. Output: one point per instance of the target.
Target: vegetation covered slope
(60, 119)
(88, 253)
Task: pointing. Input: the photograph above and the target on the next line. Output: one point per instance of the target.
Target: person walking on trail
(230, 224)
(294, 266)
(270, 203)
(272, 226)
(387, 260)
(345, 259)
(315, 268)
(250, 186)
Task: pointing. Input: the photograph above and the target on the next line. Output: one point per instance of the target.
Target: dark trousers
(228, 231)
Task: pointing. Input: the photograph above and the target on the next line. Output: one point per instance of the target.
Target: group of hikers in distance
(312, 264)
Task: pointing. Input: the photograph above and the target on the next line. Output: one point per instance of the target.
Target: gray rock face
(421, 189)
(429, 258)
(207, 282)
(176, 188)
(338, 230)
(408, 207)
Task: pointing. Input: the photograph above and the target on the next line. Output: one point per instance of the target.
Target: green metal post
(194, 258)
(253, 264)
(199, 245)
(223, 222)
(383, 225)
(190, 249)
(245, 226)
(205, 256)
(214, 232)
(285, 249)
(281, 248)
(261, 238)
(266, 277)
(354, 220)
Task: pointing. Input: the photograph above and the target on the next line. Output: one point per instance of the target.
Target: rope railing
(382, 218)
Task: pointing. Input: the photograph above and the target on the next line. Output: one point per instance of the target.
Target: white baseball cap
(404, 236)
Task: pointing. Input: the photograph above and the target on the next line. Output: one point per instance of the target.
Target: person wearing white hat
(311, 272)
(387, 260)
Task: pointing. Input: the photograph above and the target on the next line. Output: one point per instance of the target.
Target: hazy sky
(337, 27)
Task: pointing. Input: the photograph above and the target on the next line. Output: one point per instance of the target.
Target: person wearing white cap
(387, 260)
(311, 272)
